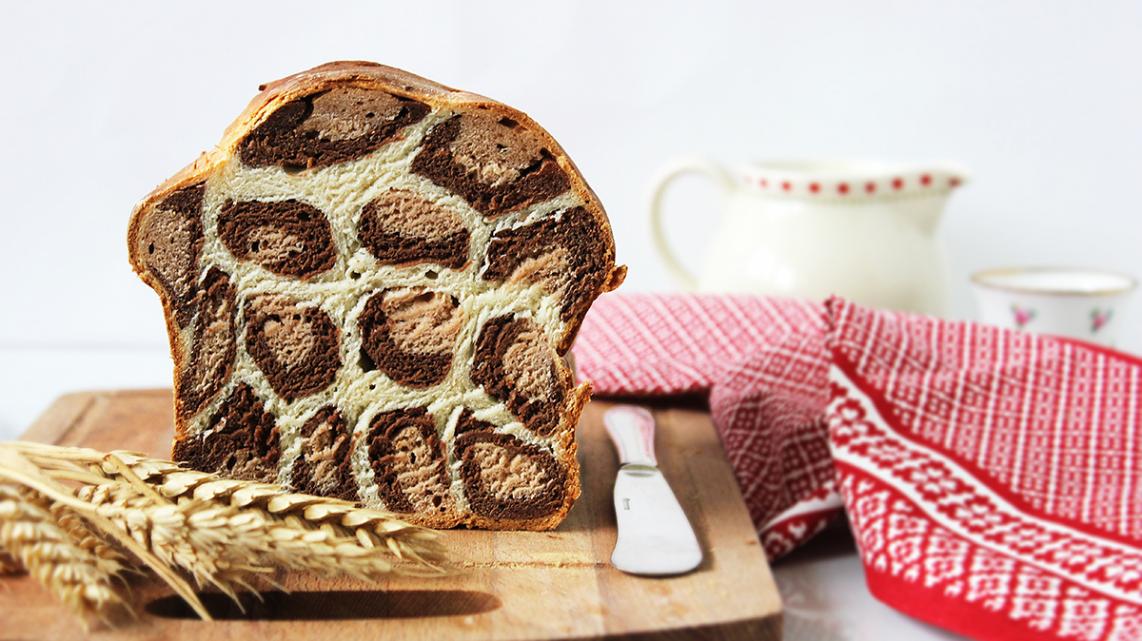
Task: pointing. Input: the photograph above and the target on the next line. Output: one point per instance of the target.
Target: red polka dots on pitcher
(805, 185)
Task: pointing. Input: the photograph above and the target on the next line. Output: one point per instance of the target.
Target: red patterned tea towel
(993, 478)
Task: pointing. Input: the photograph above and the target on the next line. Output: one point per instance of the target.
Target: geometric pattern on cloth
(991, 477)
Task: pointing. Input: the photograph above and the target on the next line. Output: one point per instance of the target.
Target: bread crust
(401, 83)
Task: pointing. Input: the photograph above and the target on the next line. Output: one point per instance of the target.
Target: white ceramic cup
(1075, 302)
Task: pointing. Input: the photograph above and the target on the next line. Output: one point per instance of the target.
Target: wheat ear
(15, 468)
(109, 558)
(76, 576)
(249, 537)
(196, 538)
(126, 510)
(371, 528)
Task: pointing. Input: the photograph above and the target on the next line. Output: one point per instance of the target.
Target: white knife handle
(632, 431)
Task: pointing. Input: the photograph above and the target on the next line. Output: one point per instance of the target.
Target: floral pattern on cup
(1079, 302)
(1099, 317)
(1022, 315)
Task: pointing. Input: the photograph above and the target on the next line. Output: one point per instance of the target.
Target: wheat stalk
(31, 534)
(124, 511)
(371, 528)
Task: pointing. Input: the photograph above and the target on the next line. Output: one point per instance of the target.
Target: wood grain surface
(499, 585)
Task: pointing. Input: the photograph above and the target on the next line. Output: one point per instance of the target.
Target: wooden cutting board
(501, 585)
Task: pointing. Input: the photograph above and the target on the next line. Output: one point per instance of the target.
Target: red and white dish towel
(993, 479)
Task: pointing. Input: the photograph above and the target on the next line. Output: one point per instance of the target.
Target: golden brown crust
(400, 83)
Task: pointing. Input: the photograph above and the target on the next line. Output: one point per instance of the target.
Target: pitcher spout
(927, 215)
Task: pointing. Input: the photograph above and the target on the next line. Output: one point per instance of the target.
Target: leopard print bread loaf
(369, 287)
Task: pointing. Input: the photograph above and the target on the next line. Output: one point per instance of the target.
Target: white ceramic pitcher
(865, 231)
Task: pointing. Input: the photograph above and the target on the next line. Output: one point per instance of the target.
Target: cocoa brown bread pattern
(369, 288)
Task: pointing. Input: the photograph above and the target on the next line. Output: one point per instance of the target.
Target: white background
(101, 101)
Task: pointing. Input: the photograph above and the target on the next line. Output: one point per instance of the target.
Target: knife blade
(654, 536)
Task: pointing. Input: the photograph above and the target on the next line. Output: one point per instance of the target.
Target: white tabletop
(822, 586)
(822, 583)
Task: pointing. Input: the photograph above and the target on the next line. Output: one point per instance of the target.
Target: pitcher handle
(658, 191)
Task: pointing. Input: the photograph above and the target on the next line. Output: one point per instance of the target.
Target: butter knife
(654, 536)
